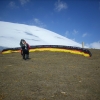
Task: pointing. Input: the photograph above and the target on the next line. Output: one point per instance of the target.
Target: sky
(78, 20)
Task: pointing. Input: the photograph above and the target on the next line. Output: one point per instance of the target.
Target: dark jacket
(25, 46)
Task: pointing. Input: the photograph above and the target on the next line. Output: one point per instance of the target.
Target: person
(24, 49)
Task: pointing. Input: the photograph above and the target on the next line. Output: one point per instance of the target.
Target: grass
(50, 76)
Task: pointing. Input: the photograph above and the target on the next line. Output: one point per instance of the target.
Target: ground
(50, 76)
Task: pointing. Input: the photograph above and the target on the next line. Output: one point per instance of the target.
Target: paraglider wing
(54, 48)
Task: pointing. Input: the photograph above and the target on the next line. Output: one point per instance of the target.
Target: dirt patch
(50, 76)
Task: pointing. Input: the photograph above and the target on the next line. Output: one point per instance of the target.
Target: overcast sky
(78, 20)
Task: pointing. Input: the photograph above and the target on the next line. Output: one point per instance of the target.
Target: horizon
(74, 19)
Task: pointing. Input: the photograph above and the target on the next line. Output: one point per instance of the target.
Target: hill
(12, 33)
(50, 76)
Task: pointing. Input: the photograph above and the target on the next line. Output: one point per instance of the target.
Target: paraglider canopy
(53, 48)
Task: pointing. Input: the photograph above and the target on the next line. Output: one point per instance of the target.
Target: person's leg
(24, 54)
(27, 54)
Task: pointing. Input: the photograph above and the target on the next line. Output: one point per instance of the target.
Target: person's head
(24, 42)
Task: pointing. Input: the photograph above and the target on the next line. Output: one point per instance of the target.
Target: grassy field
(50, 76)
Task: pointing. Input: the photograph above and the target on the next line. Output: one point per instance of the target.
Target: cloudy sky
(78, 20)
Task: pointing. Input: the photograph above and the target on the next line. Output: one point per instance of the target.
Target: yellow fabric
(60, 50)
(5, 52)
(10, 51)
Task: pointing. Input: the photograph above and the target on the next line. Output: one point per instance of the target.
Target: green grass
(50, 76)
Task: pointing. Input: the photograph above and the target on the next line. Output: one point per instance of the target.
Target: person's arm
(28, 46)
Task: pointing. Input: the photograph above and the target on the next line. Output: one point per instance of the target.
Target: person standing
(24, 49)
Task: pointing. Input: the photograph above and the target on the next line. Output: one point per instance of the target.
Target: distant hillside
(1, 48)
(12, 33)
